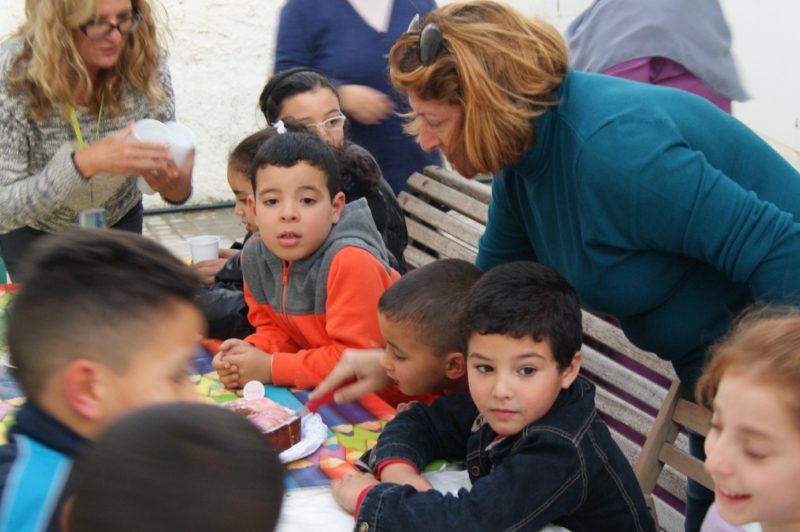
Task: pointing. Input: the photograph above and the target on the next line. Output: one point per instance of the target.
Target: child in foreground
(419, 317)
(535, 448)
(103, 324)
(313, 277)
(157, 469)
(753, 448)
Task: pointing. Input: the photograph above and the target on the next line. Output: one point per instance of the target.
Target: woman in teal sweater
(660, 209)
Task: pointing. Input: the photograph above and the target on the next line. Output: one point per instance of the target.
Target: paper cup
(204, 248)
(181, 141)
(149, 130)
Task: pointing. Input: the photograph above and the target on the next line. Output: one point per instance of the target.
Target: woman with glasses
(658, 207)
(349, 40)
(73, 78)
(308, 96)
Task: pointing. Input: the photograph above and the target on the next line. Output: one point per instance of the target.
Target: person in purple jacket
(349, 40)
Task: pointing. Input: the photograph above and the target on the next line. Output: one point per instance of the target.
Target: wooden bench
(446, 219)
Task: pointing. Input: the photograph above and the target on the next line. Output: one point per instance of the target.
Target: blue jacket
(35, 468)
(329, 35)
(660, 209)
(563, 469)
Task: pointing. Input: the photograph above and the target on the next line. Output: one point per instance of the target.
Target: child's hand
(400, 473)
(224, 369)
(207, 269)
(347, 490)
(402, 407)
(245, 363)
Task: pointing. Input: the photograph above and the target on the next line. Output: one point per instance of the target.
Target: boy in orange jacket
(313, 277)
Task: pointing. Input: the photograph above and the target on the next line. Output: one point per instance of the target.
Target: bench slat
(669, 479)
(693, 416)
(612, 372)
(450, 198)
(669, 518)
(622, 411)
(686, 464)
(613, 337)
(454, 180)
(442, 244)
(416, 257)
(439, 219)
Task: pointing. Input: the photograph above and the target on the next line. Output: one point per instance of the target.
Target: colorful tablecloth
(352, 428)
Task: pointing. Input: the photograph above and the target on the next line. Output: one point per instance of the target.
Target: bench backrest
(679, 411)
(446, 218)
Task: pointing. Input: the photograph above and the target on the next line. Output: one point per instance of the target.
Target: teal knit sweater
(659, 208)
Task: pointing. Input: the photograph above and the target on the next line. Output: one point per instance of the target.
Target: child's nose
(718, 461)
(500, 389)
(288, 212)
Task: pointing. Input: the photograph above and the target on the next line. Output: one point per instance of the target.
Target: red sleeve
(269, 337)
(356, 280)
(390, 462)
(358, 501)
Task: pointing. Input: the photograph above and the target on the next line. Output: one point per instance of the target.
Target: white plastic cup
(149, 130)
(204, 247)
(181, 141)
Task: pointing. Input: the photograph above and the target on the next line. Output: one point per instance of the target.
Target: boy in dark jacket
(535, 448)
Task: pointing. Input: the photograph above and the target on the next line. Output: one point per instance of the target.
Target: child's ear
(569, 374)
(338, 206)
(455, 366)
(80, 388)
(251, 204)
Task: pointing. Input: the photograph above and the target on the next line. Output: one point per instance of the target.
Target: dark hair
(289, 149)
(359, 173)
(526, 300)
(158, 469)
(431, 300)
(242, 156)
(91, 294)
(288, 83)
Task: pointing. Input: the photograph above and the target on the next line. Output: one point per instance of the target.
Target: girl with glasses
(308, 96)
(73, 78)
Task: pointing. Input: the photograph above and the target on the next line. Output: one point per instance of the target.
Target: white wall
(767, 47)
(222, 53)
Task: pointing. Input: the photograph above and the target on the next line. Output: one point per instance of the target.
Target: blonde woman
(73, 78)
(658, 207)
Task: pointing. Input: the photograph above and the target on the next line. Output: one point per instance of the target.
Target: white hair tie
(279, 127)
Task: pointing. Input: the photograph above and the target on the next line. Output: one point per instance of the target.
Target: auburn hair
(764, 343)
(503, 69)
(51, 72)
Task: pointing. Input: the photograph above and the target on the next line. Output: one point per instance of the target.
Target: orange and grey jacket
(308, 311)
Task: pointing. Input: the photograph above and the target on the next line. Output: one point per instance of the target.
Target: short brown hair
(765, 343)
(431, 300)
(502, 68)
(93, 294)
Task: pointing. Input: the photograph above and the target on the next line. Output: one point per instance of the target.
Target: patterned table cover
(352, 428)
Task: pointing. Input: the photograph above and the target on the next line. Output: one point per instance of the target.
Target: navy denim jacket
(563, 469)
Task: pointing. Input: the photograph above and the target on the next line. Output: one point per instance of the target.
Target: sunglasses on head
(430, 41)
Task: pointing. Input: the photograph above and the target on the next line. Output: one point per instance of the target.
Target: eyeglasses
(331, 124)
(102, 29)
(430, 41)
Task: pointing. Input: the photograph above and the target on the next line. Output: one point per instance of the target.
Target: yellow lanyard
(74, 118)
